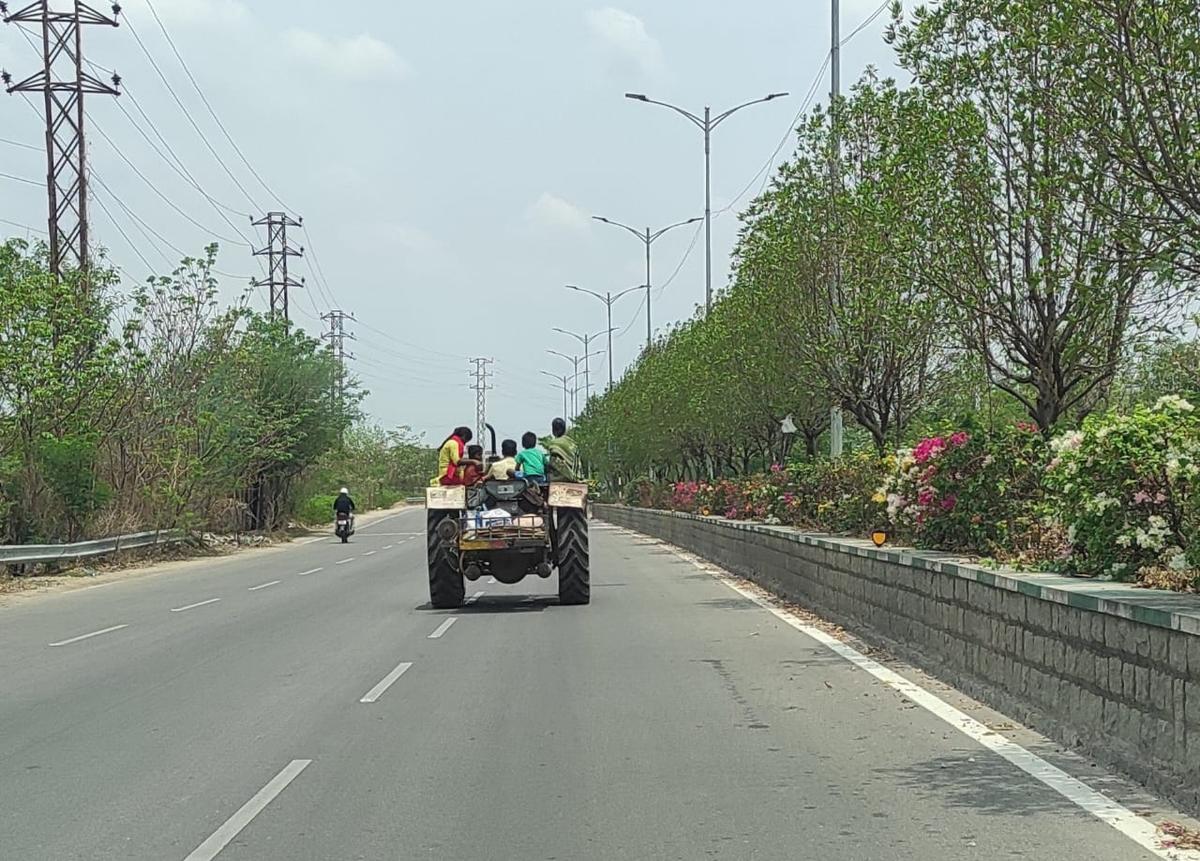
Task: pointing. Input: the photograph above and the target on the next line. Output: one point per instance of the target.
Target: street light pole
(563, 379)
(706, 125)
(608, 299)
(587, 376)
(574, 360)
(647, 237)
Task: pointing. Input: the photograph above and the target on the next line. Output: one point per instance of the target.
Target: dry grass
(1176, 836)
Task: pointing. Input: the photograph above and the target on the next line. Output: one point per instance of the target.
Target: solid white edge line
(1136, 828)
(309, 571)
(442, 628)
(220, 838)
(89, 636)
(264, 585)
(194, 606)
(344, 561)
(376, 692)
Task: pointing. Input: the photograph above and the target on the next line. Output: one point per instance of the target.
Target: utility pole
(706, 125)
(647, 238)
(63, 83)
(562, 378)
(337, 337)
(482, 374)
(277, 253)
(835, 160)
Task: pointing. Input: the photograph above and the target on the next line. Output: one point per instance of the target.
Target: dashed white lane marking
(309, 571)
(376, 692)
(1136, 828)
(443, 628)
(194, 606)
(369, 553)
(89, 636)
(344, 561)
(491, 580)
(220, 838)
(264, 585)
(475, 597)
(388, 546)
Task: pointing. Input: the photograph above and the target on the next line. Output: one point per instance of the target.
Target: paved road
(298, 705)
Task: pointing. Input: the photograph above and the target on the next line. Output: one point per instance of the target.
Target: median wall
(1100, 666)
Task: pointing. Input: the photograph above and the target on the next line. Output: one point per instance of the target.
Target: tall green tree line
(1005, 235)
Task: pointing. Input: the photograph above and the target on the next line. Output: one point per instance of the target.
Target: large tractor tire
(574, 578)
(446, 587)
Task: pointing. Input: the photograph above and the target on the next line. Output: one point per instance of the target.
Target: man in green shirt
(564, 456)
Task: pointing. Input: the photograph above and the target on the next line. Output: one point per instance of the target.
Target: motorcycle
(344, 527)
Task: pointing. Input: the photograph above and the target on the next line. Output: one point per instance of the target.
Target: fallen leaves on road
(1176, 836)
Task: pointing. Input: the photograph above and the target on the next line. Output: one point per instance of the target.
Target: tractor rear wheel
(574, 578)
(446, 587)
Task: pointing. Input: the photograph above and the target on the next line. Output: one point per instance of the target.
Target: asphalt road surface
(307, 704)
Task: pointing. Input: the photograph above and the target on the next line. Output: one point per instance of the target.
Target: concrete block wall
(1102, 667)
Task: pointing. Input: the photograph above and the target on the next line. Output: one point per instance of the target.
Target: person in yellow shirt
(450, 456)
(504, 468)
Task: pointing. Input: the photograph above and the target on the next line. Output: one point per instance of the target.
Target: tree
(1051, 264)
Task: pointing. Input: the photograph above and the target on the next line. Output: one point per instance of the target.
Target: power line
(21, 145)
(188, 115)
(160, 194)
(20, 179)
(23, 226)
(212, 112)
(867, 23)
(124, 235)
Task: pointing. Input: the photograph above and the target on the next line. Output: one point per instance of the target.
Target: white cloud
(220, 13)
(354, 58)
(552, 211)
(623, 36)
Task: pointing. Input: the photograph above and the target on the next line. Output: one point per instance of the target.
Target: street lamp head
(640, 97)
(775, 96)
(601, 218)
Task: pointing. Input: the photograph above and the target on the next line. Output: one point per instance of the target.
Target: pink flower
(788, 499)
(949, 502)
(928, 448)
(925, 496)
(1140, 497)
(959, 439)
(775, 467)
(1160, 497)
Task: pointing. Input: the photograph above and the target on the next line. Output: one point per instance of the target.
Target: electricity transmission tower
(337, 337)
(63, 82)
(482, 375)
(277, 253)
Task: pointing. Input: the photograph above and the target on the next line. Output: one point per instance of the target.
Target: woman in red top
(449, 454)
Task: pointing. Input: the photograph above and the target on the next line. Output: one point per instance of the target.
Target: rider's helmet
(344, 492)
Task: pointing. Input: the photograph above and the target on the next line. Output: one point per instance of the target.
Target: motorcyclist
(343, 504)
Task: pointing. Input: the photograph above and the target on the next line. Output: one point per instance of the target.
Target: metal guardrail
(18, 554)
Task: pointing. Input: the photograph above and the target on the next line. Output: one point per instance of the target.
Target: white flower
(1178, 561)
(1172, 467)
(1071, 532)
(1101, 502)
(1124, 540)
(1157, 522)
(1102, 433)
(1067, 442)
(1173, 402)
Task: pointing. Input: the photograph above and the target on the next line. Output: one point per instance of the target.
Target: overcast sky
(446, 159)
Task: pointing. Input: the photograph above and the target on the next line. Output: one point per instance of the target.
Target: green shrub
(969, 491)
(1125, 487)
(316, 510)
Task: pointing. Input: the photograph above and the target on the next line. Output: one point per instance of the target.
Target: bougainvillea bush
(969, 491)
(1125, 488)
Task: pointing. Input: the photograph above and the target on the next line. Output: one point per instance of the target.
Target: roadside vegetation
(996, 287)
(160, 408)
